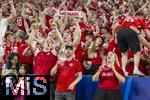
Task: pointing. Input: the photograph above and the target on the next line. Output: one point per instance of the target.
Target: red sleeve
(121, 20)
(119, 70)
(143, 24)
(111, 46)
(54, 60)
(78, 66)
(47, 30)
(48, 18)
(28, 21)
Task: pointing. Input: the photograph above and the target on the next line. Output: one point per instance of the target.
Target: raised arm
(76, 35)
(13, 11)
(88, 12)
(42, 20)
(132, 11)
(25, 23)
(143, 7)
(62, 22)
(97, 74)
(120, 77)
(31, 42)
(25, 51)
(97, 28)
(27, 28)
(91, 50)
(54, 70)
(45, 11)
(58, 34)
(62, 4)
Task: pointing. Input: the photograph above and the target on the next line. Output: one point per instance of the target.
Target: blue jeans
(65, 96)
(52, 89)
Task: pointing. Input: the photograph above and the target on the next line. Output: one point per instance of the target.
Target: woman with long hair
(110, 74)
(12, 65)
(10, 71)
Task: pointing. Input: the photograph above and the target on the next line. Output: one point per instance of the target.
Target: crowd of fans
(43, 36)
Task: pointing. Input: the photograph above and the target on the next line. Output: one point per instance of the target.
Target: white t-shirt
(3, 28)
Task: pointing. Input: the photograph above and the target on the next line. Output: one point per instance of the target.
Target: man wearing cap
(69, 73)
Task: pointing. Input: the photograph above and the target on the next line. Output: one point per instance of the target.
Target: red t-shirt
(43, 63)
(20, 23)
(97, 60)
(20, 43)
(46, 31)
(78, 52)
(81, 55)
(108, 80)
(48, 18)
(67, 74)
(83, 36)
(135, 21)
(7, 51)
(25, 59)
(71, 4)
(148, 23)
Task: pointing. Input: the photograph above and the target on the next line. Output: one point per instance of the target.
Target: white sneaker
(138, 72)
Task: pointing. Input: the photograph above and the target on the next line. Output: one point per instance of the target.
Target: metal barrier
(135, 88)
